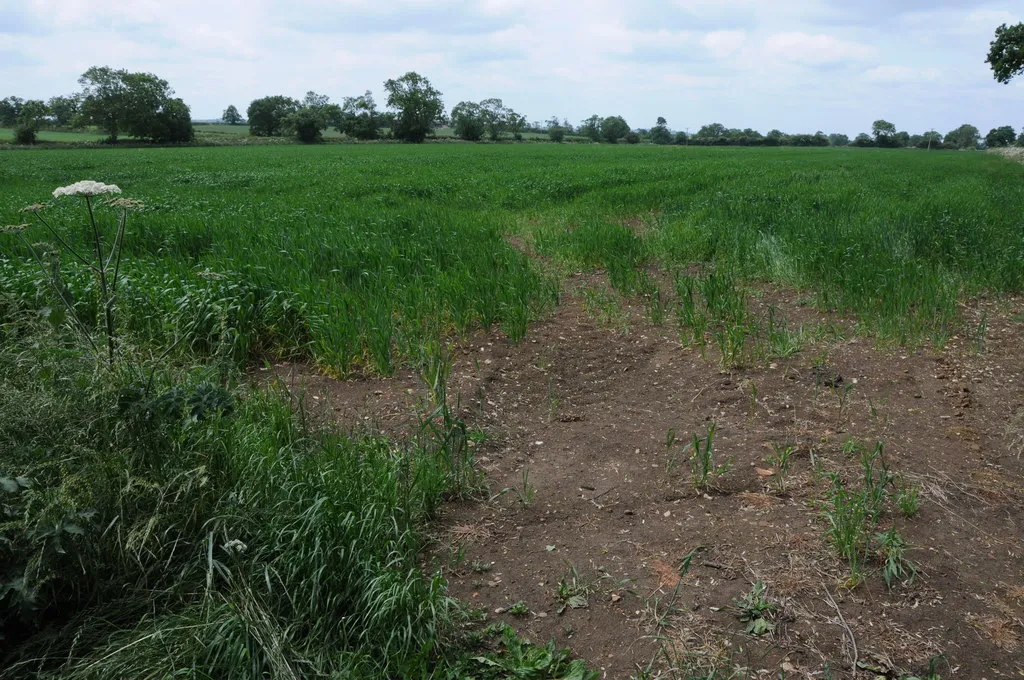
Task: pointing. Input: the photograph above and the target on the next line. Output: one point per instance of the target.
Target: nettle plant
(103, 259)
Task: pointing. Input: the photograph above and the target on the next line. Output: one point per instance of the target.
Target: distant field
(7, 134)
(354, 248)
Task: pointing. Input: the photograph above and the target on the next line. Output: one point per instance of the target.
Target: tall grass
(156, 526)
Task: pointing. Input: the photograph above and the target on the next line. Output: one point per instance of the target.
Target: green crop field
(350, 250)
(159, 515)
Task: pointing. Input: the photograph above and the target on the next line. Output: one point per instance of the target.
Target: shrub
(25, 134)
(632, 138)
(556, 134)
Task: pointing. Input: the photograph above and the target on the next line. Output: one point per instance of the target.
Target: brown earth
(577, 418)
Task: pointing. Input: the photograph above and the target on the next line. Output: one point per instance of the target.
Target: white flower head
(86, 187)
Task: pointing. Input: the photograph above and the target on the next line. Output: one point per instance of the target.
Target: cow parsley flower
(86, 187)
(13, 228)
(35, 207)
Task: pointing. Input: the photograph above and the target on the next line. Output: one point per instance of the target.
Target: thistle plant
(104, 260)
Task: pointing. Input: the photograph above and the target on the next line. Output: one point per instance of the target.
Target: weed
(519, 609)
(782, 458)
(480, 567)
(908, 500)
(756, 610)
(895, 565)
(702, 461)
(572, 592)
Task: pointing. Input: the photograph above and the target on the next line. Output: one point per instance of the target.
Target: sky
(795, 65)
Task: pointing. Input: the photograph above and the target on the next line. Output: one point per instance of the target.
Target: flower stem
(108, 311)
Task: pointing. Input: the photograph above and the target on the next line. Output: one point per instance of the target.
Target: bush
(25, 134)
(556, 134)
(307, 125)
(632, 138)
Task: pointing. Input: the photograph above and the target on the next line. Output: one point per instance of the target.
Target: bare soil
(577, 418)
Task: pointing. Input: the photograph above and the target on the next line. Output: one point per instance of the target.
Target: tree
(468, 122)
(660, 133)
(494, 116)
(838, 139)
(359, 117)
(931, 139)
(231, 116)
(862, 140)
(1020, 139)
(30, 118)
(138, 104)
(614, 128)
(711, 132)
(591, 128)
(964, 137)
(1006, 53)
(632, 138)
(307, 124)
(63, 109)
(884, 133)
(267, 115)
(902, 139)
(556, 133)
(10, 107)
(417, 104)
(1001, 136)
(681, 138)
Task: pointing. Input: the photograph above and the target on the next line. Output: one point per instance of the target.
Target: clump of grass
(853, 514)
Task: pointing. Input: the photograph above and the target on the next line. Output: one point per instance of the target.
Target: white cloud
(804, 48)
(722, 44)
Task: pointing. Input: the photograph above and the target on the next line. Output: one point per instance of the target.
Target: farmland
(691, 371)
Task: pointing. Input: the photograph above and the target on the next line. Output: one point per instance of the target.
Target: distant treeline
(141, 105)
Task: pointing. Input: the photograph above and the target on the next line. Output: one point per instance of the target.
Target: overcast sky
(796, 65)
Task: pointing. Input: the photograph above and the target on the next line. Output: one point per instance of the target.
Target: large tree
(884, 133)
(231, 116)
(359, 117)
(468, 121)
(614, 128)
(964, 137)
(64, 109)
(1001, 136)
(418, 106)
(1006, 53)
(660, 133)
(10, 109)
(138, 104)
(267, 115)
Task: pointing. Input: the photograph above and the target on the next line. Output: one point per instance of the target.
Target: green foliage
(756, 610)
(1001, 136)
(64, 109)
(632, 138)
(25, 134)
(660, 133)
(838, 139)
(1006, 52)
(884, 133)
(267, 115)
(614, 128)
(137, 104)
(556, 133)
(359, 117)
(520, 659)
(418, 106)
(468, 122)
(307, 124)
(964, 137)
(231, 116)
(10, 109)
